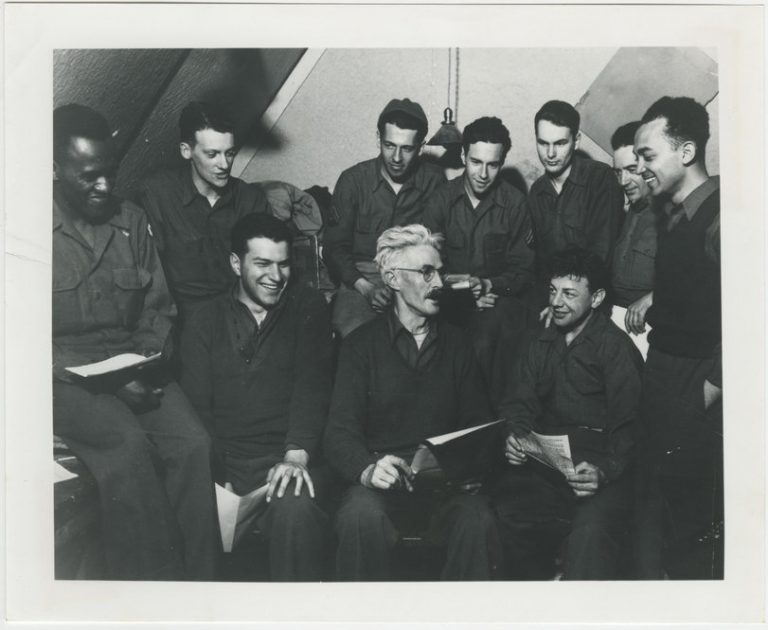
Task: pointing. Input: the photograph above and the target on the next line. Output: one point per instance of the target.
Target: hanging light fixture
(448, 135)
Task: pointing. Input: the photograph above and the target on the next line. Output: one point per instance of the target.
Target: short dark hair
(687, 121)
(559, 113)
(487, 129)
(198, 115)
(258, 225)
(624, 136)
(576, 262)
(77, 121)
(404, 121)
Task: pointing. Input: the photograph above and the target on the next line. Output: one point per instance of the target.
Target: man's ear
(577, 140)
(378, 140)
(185, 150)
(597, 298)
(234, 262)
(391, 280)
(688, 152)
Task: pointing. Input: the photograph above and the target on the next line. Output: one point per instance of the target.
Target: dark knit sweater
(381, 405)
(686, 312)
(260, 404)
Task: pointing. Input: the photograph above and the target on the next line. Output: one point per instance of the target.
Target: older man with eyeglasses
(402, 378)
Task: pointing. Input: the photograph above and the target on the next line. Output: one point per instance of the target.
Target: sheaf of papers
(551, 450)
(237, 513)
(60, 473)
(113, 364)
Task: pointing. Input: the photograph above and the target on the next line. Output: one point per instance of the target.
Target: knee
(291, 512)
(359, 511)
(474, 514)
(590, 535)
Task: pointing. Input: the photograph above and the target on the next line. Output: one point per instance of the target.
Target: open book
(237, 513)
(113, 364)
(459, 455)
(551, 450)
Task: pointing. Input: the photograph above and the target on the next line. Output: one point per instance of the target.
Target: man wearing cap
(370, 197)
(485, 224)
(193, 208)
(577, 202)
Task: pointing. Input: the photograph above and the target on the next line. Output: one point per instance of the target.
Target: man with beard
(633, 259)
(681, 500)
(577, 202)
(485, 224)
(580, 378)
(401, 379)
(193, 208)
(369, 198)
(135, 431)
(256, 364)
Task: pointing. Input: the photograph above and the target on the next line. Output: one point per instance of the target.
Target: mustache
(434, 294)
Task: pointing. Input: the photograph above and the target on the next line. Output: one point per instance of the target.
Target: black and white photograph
(385, 319)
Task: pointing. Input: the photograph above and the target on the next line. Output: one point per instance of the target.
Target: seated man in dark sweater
(256, 364)
(403, 378)
(580, 378)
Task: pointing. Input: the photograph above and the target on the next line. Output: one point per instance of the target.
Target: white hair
(392, 242)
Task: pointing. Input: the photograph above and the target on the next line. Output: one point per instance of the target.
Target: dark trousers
(538, 512)
(296, 527)
(367, 529)
(497, 334)
(679, 507)
(153, 473)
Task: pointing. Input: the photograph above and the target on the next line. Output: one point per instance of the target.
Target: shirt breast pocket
(574, 229)
(585, 379)
(643, 259)
(187, 261)
(130, 288)
(495, 252)
(67, 304)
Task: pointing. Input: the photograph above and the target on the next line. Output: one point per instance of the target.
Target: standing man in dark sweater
(256, 364)
(577, 202)
(193, 208)
(401, 379)
(486, 226)
(580, 378)
(681, 479)
(369, 198)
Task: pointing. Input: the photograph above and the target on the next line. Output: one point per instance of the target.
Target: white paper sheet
(237, 513)
(113, 364)
(551, 450)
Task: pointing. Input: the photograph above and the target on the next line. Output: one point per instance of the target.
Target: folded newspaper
(551, 450)
(237, 513)
(113, 364)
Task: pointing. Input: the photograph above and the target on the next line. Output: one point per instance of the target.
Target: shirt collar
(189, 191)
(577, 175)
(396, 327)
(693, 201)
(244, 311)
(594, 328)
(379, 178)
